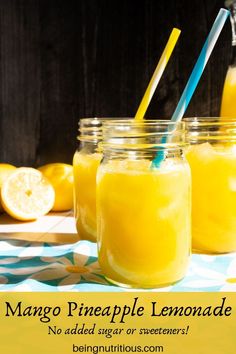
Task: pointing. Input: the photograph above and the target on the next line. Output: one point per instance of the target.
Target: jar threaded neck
(213, 130)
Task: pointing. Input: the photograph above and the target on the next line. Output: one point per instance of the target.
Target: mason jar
(143, 208)
(85, 163)
(212, 158)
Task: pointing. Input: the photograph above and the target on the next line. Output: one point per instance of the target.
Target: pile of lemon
(27, 193)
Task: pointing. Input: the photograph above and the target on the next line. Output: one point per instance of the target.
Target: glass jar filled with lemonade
(228, 101)
(85, 164)
(143, 210)
(212, 158)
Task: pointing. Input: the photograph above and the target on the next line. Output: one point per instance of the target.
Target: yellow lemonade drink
(212, 158)
(228, 103)
(85, 163)
(143, 215)
(85, 170)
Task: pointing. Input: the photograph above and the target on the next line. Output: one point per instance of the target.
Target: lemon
(5, 171)
(27, 194)
(61, 177)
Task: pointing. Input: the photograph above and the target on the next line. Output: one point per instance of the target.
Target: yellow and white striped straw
(157, 73)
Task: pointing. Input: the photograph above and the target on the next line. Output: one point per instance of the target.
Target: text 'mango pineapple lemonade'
(143, 213)
(212, 158)
(85, 164)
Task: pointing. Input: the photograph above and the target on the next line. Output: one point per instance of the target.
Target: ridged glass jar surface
(143, 210)
(212, 158)
(85, 163)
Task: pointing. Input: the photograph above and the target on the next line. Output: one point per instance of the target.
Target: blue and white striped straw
(196, 74)
(200, 65)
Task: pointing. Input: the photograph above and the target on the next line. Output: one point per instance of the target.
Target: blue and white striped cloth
(28, 266)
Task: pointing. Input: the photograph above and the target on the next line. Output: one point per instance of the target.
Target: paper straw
(157, 74)
(200, 65)
(196, 73)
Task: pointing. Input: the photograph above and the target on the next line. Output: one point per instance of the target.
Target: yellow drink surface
(143, 222)
(85, 169)
(228, 103)
(213, 197)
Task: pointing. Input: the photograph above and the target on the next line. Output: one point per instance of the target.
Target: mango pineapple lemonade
(85, 163)
(143, 213)
(85, 170)
(228, 103)
(212, 158)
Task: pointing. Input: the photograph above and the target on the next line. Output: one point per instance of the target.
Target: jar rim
(126, 120)
(95, 129)
(209, 120)
(214, 130)
(145, 122)
(143, 135)
(99, 120)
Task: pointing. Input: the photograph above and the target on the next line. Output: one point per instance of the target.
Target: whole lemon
(5, 171)
(61, 177)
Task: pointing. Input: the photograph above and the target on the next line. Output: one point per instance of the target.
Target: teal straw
(195, 76)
